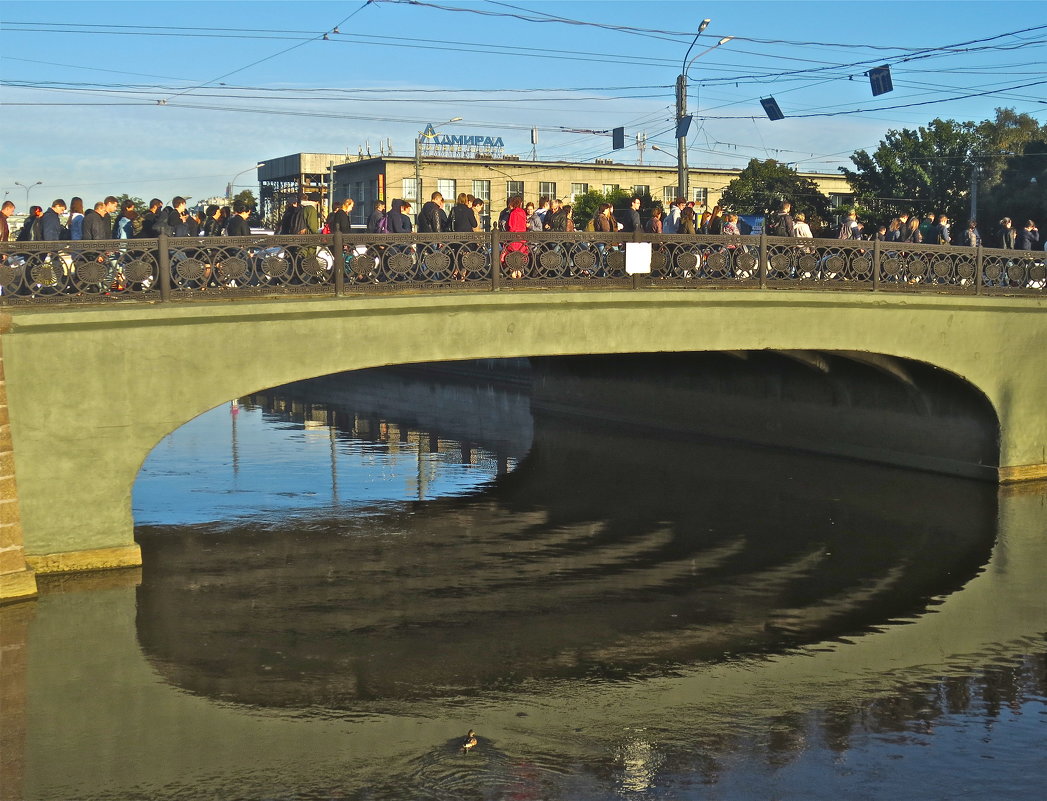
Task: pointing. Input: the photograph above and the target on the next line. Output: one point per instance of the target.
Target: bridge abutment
(93, 390)
(17, 580)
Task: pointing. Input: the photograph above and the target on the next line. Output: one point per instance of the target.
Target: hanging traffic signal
(617, 138)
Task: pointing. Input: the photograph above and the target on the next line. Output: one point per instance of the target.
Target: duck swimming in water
(470, 741)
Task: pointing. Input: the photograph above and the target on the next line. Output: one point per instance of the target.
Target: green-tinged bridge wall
(92, 390)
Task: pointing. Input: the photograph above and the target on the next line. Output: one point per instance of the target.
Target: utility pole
(683, 121)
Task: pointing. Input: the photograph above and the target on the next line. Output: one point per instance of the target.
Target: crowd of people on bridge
(111, 219)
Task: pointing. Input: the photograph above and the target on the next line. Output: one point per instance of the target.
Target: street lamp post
(27, 188)
(418, 160)
(681, 107)
(229, 189)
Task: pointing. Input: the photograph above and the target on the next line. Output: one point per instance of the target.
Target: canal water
(342, 577)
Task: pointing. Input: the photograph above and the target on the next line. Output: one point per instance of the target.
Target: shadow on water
(604, 556)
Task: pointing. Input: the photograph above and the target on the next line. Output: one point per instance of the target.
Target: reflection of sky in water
(226, 466)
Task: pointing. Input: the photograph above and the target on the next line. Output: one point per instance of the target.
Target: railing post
(877, 253)
(496, 262)
(978, 265)
(339, 263)
(763, 259)
(163, 261)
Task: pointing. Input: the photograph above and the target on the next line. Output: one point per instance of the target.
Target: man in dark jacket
(376, 217)
(149, 231)
(432, 219)
(399, 222)
(51, 222)
(630, 220)
(238, 222)
(97, 223)
(556, 217)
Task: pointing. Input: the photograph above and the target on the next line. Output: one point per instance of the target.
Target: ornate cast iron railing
(181, 269)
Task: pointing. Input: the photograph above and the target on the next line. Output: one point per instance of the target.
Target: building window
(641, 190)
(669, 194)
(446, 187)
(514, 189)
(836, 199)
(701, 195)
(610, 189)
(410, 189)
(482, 190)
(547, 189)
(577, 190)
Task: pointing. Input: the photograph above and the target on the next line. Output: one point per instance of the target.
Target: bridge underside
(92, 391)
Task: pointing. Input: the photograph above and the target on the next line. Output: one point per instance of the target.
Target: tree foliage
(930, 169)
(586, 206)
(763, 185)
(140, 205)
(247, 198)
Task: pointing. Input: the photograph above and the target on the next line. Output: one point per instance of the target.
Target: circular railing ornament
(90, 272)
(687, 262)
(475, 262)
(312, 266)
(993, 271)
(274, 267)
(891, 266)
(917, 268)
(400, 264)
(190, 269)
(8, 274)
(965, 269)
(1038, 272)
(437, 262)
(745, 264)
(234, 269)
(585, 260)
(616, 261)
(780, 263)
(138, 271)
(942, 267)
(550, 260)
(514, 262)
(716, 263)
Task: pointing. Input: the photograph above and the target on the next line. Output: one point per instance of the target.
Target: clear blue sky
(176, 98)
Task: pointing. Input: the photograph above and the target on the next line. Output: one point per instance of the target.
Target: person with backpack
(293, 221)
(398, 221)
(783, 223)
(377, 222)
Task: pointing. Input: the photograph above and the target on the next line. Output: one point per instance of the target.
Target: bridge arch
(91, 391)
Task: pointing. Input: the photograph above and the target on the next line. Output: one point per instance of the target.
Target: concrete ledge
(1023, 472)
(75, 561)
(17, 586)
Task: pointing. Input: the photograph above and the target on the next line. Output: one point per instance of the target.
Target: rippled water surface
(342, 577)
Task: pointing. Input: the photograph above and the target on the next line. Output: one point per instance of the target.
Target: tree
(247, 198)
(763, 185)
(1020, 193)
(586, 206)
(1002, 138)
(922, 170)
(140, 205)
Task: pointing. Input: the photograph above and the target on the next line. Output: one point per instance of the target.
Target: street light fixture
(27, 188)
(418, 159)
(682, 120)
(229, 188)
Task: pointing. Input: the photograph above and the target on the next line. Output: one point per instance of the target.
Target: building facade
(328, 177)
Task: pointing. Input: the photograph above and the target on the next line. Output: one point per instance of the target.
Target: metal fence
(171, 269)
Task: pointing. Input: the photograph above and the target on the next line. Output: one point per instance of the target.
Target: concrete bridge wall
(91, 391)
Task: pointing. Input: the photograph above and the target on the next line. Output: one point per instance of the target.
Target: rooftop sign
(431, 143)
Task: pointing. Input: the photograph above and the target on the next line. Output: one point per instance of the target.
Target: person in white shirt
(800, 226)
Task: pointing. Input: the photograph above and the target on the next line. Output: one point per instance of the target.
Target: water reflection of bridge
(600, 554)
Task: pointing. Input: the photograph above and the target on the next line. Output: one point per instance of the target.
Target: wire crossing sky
(163, 99)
